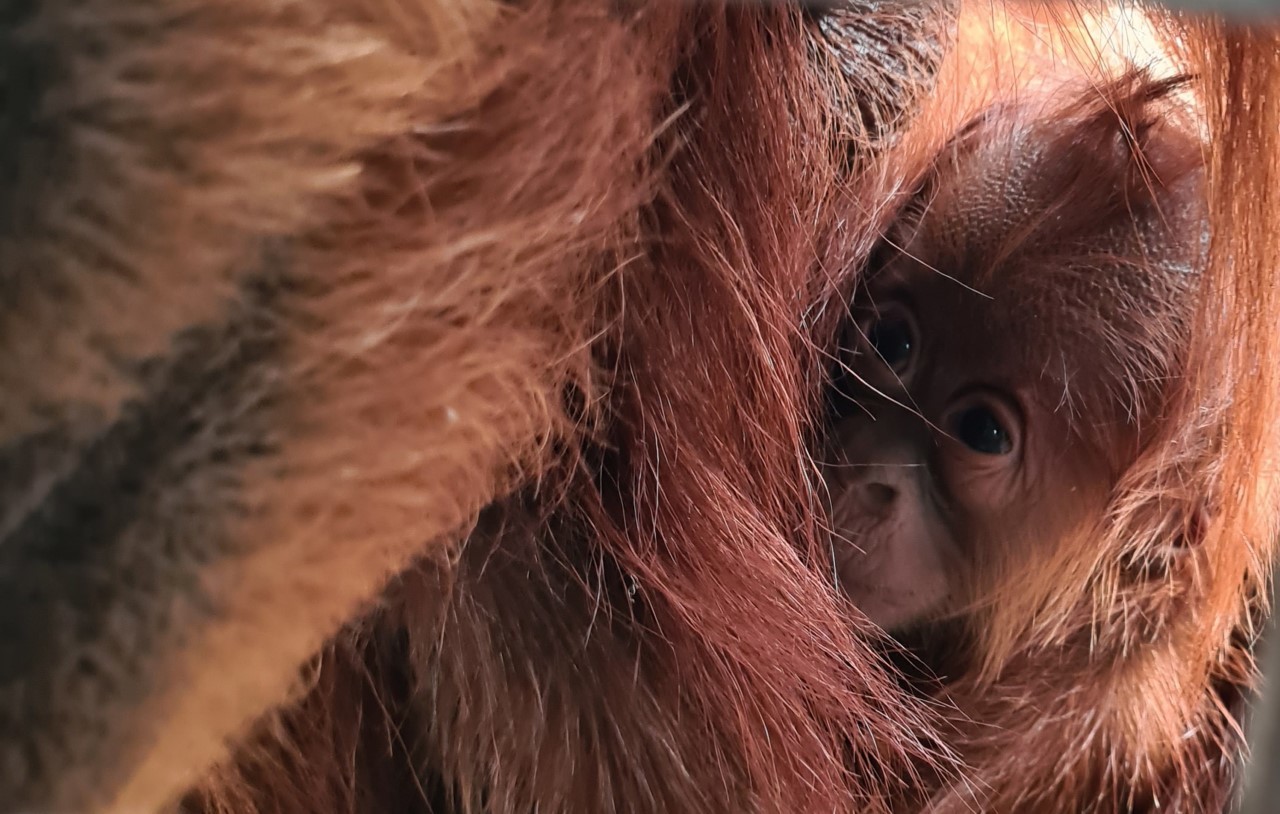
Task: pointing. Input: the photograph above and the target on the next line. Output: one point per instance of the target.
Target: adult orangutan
(407, 405)
(1022, 476)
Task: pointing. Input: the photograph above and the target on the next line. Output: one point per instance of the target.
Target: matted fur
(294, 291)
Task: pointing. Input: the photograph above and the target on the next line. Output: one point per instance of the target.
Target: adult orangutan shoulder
(294, 290)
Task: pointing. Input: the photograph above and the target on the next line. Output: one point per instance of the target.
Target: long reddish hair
(432, 390)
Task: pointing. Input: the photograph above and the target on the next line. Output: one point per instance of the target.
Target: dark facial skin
(1000, 360)
(948, 444)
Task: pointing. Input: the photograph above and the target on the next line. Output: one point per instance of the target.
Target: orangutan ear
(1178, 562)
(1172, 551)
(1199, 518)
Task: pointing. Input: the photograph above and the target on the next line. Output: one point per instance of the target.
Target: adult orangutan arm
(257, 351)
(290, 292)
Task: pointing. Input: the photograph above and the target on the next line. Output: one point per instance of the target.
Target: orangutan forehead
(984, 191)
(1001, 201)
(1041, 208)
(1030, 239)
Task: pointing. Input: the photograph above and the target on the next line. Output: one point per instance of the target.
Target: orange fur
(1114, 677)
(469, 351)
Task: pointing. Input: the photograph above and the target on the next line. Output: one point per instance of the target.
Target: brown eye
(892, 337)
(893, 341)
(986, 423)
(982, 431)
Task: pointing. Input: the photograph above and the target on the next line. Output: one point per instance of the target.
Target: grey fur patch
(101, 551)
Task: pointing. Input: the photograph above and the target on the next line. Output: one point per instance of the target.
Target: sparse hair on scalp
(1081, 202)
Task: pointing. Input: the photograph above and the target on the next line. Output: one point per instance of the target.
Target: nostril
(878, 496)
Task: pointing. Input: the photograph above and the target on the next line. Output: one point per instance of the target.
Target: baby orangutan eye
(986, 424)
(979, 429)
(893, 338)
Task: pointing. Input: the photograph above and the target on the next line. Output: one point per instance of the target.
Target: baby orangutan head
(1011, 350)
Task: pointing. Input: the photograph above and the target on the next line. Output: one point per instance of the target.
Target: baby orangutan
(1011, 352)
(1021, 474)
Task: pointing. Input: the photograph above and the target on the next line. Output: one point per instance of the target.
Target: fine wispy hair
(409, 406)
(1112, 673)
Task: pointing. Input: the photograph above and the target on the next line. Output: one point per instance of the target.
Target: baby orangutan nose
(876, 498)
(890, 550)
